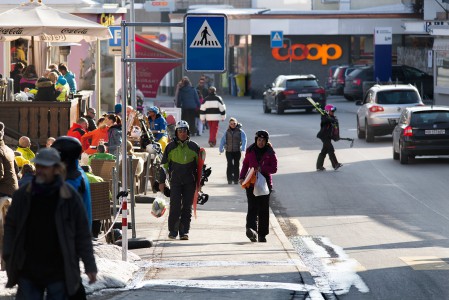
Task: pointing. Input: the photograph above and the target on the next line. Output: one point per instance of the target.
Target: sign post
(205, 41)
(383, 38)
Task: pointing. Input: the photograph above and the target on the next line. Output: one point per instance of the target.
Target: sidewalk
(219, 261)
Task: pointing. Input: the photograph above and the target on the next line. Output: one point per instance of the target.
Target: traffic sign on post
(116, 40)
(205, 41)
(115, 44)
(277, 39)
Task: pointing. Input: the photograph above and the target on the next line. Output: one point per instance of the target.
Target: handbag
(260, 186)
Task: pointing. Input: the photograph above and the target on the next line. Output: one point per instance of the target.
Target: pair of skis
(322, 112)
(201, 159)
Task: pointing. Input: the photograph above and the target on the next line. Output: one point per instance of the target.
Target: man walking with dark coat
(189, 102)
(46, 234)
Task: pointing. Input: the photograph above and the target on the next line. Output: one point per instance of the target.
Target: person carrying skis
(329, 131)
(180, 163)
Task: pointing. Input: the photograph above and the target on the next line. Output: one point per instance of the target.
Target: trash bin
(241, 86)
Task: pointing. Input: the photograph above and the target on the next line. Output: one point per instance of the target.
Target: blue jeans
(30, 290)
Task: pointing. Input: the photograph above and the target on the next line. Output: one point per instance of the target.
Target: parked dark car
(339, 79)
(353, 89)
(421, 131)
(330, 74)
(291, 92)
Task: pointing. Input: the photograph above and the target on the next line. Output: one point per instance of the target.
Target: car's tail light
(357, 81)
(376, 108)
(408, 131)
(289, 92)
(319, 91)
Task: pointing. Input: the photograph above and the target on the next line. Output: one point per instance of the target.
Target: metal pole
(131, 179)
(289, 52)
(97, 76)
(132, 84)
(123, 147)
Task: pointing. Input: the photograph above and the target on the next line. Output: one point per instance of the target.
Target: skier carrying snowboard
(329, 131)
(180, 163)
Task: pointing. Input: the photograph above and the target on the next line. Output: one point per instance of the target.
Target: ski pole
(348, 139)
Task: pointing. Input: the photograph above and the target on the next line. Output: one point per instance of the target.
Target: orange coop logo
(325, 52)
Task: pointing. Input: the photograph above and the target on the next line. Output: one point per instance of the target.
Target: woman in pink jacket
(262, 158)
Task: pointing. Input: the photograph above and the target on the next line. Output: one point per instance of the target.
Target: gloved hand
(223, 118)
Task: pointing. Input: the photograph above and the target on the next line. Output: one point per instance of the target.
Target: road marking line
(202, 264)
(299, 228)
(425, 263)
(225, 284)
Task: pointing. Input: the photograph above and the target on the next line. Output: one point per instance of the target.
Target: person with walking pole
(329, 131)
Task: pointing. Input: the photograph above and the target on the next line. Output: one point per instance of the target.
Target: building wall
(361, 4)
(265, 68)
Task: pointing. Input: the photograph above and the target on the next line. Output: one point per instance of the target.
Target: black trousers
(233, 168)
(181, 200)
(328, 149)
(189, 115)
(258, 215)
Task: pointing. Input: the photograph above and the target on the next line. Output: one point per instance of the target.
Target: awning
(440, 44)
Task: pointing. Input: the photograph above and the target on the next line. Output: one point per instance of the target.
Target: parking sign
(205, 40)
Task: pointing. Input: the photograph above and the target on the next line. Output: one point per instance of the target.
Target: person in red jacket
(78, 129)
(262, 158)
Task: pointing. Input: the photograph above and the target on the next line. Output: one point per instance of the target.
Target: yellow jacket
(27, 153)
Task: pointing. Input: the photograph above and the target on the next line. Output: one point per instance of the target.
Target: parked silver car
(381, 108)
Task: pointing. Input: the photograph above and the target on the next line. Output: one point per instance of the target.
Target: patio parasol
(34, 19)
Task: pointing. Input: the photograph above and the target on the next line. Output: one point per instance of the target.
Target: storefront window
(442, 68)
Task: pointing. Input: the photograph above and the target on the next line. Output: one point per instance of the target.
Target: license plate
(304, 95)
(435, 131)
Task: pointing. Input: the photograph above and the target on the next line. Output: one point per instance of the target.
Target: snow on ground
(113, 272)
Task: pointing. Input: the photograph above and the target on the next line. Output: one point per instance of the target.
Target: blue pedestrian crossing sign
(277, 39)
(205, 42)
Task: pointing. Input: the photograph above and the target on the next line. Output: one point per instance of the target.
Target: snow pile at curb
(112, 271)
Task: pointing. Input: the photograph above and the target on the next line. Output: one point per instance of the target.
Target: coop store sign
(323, 52)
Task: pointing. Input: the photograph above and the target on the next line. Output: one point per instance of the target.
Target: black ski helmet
(69, 148)
(262, 134)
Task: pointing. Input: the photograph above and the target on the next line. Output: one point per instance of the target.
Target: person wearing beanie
(234, 142)
(8, 167)
(158, 126)
(262, 158)
(329, 130)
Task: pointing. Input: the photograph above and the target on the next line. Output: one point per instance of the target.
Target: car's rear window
(301, 83)
(420, 118)
(398, 97)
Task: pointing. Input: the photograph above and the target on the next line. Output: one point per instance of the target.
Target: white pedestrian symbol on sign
(276, 37)
(205, 38)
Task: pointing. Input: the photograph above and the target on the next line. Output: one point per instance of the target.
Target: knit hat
(118, 108)
(2, 131)
(154, 109)
(62, 80)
